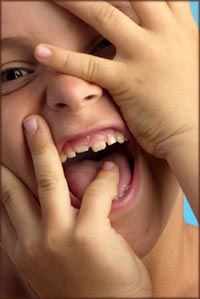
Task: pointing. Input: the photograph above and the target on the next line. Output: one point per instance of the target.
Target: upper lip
(119, 127)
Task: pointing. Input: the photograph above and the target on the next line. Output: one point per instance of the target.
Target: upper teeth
(81, 149)
(97, 145)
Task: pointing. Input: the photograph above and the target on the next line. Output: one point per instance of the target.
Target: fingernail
(43, 52)
(30, 126)
(108, 165)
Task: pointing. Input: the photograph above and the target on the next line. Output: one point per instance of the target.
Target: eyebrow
(21, 42)
(26, 43)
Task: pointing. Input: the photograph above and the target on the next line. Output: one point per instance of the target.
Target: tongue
(80, 174)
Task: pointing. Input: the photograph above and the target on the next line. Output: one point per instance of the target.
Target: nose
(68, 92)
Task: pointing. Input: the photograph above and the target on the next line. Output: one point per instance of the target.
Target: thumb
(97, 199)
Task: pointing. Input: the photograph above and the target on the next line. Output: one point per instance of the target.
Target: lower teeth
(122, 193)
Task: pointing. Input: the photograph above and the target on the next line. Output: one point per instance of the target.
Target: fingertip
(110, 168)
(30, 125)
(108, 165)
(34, 124)
(110, 172)
(42, 51)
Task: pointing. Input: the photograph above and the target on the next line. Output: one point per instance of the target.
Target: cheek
(109, 109)
(14, 150)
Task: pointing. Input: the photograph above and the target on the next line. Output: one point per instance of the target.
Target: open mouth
(84, 158)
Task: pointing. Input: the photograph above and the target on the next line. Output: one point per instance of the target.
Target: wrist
(183, 158)
(184, 141)
(185, 144)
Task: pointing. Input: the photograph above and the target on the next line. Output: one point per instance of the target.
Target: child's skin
(148, 53)
(157, 206)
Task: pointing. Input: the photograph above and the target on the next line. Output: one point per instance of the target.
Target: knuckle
(108, 179)
(85, 232)
(101, 183)
(81, 236)
(93, 189)
(155, 51)
(48, 182)
(104, 13)
(7, 195)
(39, 148)
(91, 192)
(30, 248)
(94, 193)
(108, 187)
(53, 242)
(91, 68)
(85, 239)
(65, 63)
(153, 46)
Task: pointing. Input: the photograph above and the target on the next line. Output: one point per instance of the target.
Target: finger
(8, 234)
(107, 20)
(97, 199)
(152, 14)
(52, 186)
(181, 9)
(20, 204)
(104, 72)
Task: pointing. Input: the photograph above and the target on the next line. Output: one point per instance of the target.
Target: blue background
(188, 214)
(195, 10)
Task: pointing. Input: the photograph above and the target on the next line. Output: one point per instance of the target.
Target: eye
(14, 74)
(104, 49)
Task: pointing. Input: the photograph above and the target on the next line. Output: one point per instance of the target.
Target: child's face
(73, 107)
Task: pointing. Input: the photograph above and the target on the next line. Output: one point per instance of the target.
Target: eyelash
(12, 75)
(103, 46)
(15, 72)
(16, 77)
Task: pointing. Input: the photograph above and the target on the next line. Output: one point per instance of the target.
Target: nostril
(90, 97)
(61, 105)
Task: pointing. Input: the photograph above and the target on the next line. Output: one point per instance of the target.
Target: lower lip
(124, 202)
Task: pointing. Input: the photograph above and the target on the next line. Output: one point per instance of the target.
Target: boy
(147, 211)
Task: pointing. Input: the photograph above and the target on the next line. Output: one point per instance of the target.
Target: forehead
(46, 22)
(33, 15)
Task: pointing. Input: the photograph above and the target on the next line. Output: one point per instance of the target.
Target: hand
(158, 91)
(59, 252)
